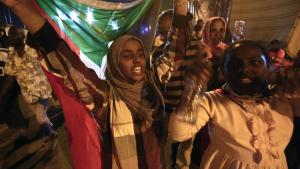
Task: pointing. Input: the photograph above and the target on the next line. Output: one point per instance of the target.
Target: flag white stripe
(100, 71)
(99, 4)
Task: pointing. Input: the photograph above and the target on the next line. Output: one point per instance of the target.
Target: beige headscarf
(206, 36)
(131, 94)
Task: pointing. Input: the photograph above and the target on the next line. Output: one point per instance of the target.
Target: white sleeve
(180, 130)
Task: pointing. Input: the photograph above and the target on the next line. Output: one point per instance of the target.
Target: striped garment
(175, 86)
(190, 48)
(179, 153)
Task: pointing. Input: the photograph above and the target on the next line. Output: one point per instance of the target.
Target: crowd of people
(193, 102)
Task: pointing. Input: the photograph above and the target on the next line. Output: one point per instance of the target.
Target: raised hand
(180, 7)
(26, 12)
(196, 79)
(202, 67)
(11, 3)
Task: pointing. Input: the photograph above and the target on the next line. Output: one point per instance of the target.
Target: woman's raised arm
(177, 41)
(26, 12)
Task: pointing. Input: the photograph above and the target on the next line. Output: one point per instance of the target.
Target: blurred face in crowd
(200, 23)
(217, 31)
(164, 24)
(198, 26)
(132, 61)
(245, 69)
(16, 37)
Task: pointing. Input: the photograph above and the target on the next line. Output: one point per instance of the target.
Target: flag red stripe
(84, 136)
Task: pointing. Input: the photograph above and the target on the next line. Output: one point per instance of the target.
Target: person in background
(213, 46)
(10, 112)
(27, 138)
(178, 154)
(197, 29)
(22, 63)
(278, 56)
(163, 26)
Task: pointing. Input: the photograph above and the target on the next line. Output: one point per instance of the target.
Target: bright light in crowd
(74, 15)
(89, 16)
(145, 29)
(114, 25)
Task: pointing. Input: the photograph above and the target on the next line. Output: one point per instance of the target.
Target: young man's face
(200, 23)
(132, 61)
(163, 27)
(246, 72)
(16, 37)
